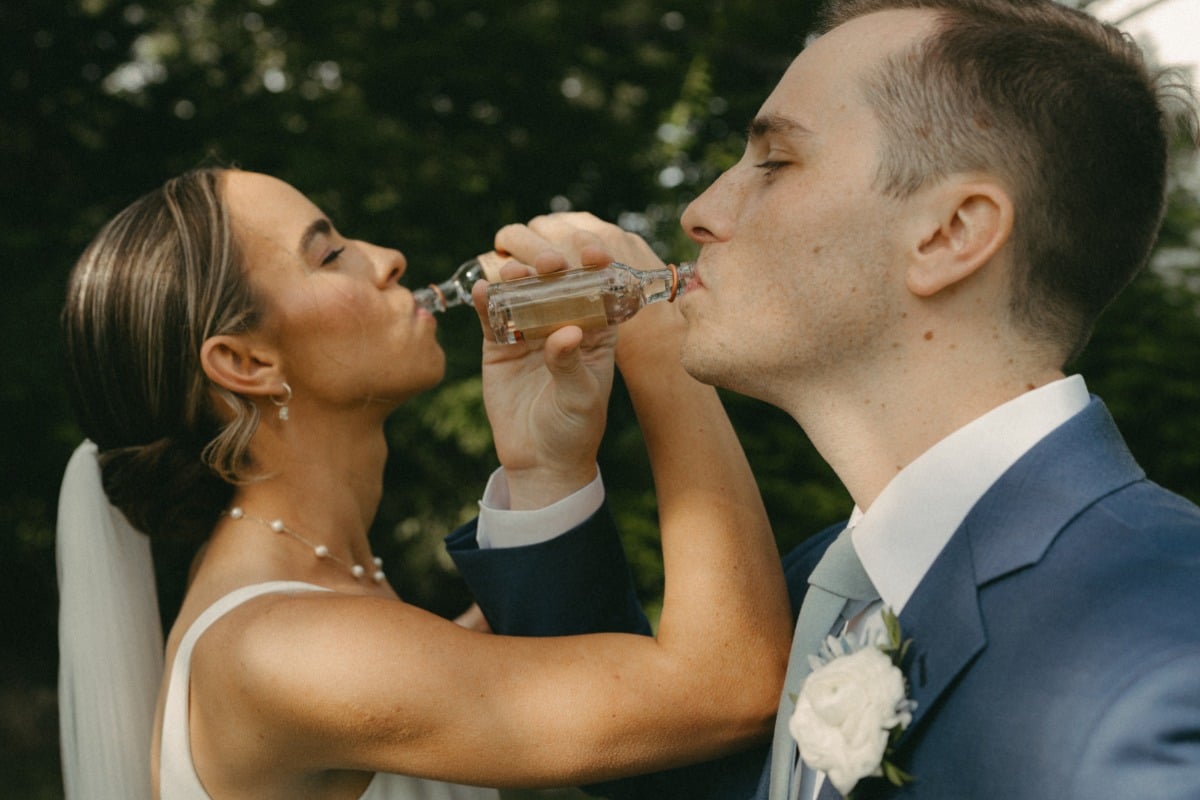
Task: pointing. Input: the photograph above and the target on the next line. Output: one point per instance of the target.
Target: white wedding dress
(178, 779)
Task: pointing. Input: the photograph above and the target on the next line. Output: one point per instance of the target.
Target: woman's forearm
(724, 591)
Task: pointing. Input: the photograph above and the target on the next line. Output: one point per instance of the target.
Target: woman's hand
(547, 401)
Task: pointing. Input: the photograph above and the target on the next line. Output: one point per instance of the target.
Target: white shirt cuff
(499, 527)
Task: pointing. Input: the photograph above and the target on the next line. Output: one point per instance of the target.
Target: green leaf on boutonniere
(897, 646)
(892, 623)
(895, 775)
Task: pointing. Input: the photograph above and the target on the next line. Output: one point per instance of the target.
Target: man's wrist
(539, 487)
(500, 525)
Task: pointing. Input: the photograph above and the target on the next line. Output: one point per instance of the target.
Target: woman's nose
(390, 264)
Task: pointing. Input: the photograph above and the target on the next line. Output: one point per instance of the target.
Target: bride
(233, 358)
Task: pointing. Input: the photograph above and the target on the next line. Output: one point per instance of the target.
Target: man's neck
(868, 436)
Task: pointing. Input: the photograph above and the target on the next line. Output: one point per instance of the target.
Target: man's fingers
(595, 255)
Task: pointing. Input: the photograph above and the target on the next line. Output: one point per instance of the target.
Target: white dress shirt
(498, 526)
(904, 530)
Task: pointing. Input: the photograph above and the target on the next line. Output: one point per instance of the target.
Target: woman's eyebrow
(315, 229)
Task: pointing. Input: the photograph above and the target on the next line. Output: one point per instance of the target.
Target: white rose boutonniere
(852, 707)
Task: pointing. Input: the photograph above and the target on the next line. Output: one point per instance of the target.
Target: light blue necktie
(838, 578)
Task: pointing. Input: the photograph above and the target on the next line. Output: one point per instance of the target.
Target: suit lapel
(942, 619)
(1016, 521)
(1011, 527)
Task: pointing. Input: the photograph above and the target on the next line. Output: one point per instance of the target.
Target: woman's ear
(236, 364)
(963, 225)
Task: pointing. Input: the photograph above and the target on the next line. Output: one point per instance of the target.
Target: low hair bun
(165, 489)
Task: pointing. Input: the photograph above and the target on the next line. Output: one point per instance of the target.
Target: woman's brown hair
(159, 279)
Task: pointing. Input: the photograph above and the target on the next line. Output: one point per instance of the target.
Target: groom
(935, 204)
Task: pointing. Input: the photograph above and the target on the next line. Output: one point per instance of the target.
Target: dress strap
(177, 773)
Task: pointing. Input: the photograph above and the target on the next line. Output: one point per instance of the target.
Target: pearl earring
(283, 404)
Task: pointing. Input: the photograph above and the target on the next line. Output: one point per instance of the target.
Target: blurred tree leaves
(427, 126)
(418, 124)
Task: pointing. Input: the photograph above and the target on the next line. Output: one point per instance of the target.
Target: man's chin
(699, 363)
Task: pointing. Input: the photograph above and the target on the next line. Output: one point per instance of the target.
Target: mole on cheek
(928, 335)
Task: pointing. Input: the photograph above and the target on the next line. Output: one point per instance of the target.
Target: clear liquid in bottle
(590, 298)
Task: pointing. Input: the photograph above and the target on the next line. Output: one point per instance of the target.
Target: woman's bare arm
(371, 684)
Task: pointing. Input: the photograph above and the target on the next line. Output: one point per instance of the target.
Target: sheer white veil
(109, 639)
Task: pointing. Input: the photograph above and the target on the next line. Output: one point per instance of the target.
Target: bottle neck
(666, 284)
(458, 289)
(452, 292)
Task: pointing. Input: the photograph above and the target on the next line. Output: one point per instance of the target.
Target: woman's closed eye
(333, 256)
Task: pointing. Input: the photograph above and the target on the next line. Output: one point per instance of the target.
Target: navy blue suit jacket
(1056, 638)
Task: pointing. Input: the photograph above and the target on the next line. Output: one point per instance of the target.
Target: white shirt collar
(909, 523)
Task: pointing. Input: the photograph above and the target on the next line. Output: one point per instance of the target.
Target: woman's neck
(324, 484)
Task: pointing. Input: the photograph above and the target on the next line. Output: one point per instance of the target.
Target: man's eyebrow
(315, 229)
(773, 123)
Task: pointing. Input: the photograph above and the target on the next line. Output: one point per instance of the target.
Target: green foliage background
(427, 125)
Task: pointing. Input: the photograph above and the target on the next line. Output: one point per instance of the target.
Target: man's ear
(962, 225)
(238, 365)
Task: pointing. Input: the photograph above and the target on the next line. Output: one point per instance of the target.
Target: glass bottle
(456, 290)
(592, 297)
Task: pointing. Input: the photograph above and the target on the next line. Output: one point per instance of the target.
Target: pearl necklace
(319, 550)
